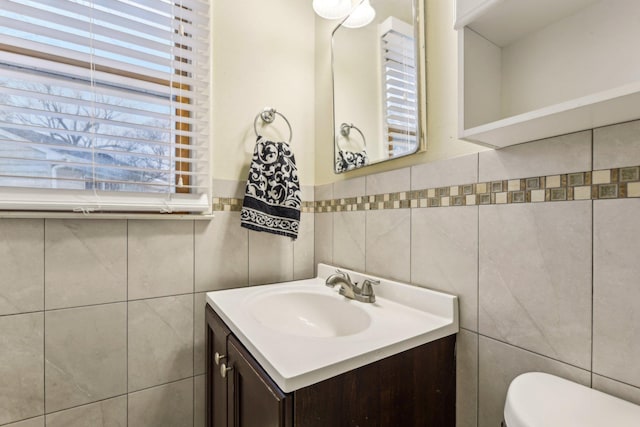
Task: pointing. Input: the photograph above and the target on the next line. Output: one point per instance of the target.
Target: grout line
(477, 297)
(615, 380)
(315, 261)
(126, 394)
(81, 405)
(411, 230)
(127, 317)
(100, 304)
(44, 318)
(333, 227)
(193, 324)
(534, 352)
(22, 312)
(192, 377)
(248, 266)
(592, 260)
(592, 284)
(292, 245)
(366, 225)
(10, 423)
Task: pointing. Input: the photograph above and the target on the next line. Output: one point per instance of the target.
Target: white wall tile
(616, 294)
(349, 240)
(535, 278)
(160, 258)
(165, 405)
(21, 366)
(199, 401)
(323, 192)
(86, 355)
(388, 248)
(616, 146)
(199, 331)
(96, 251)
(160, 339)
(22, 265)
(388, 182)
(106, 413)
(558, 155)
(444, 255)
(323, 238)
(221, 253)
(349, 188)
(443, 173)
(303, 248)
(617, 389)
(270, 258)
(466, 379)
(31, 422)
(307, 193)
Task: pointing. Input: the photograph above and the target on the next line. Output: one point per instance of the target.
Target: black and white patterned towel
(349, 160)
(272, 197)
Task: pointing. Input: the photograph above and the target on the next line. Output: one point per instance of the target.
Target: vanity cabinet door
(254, 400)
(216, 390)
(415, 388)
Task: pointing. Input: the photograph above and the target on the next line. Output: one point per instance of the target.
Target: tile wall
(102, 321)
(547, 278)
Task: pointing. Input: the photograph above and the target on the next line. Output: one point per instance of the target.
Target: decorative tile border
(616, 183)
(230, 204)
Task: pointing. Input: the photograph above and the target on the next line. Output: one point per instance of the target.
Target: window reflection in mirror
(376, 86)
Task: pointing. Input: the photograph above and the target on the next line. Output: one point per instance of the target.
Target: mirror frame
(419, 34)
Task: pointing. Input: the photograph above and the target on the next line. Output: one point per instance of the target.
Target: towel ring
(268, 115)
(345, 130)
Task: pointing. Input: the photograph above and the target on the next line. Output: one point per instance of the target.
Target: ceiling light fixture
(361, 16)
(332, 9)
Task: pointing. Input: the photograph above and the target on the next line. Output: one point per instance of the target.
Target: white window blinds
(104, 105)
(399, 86)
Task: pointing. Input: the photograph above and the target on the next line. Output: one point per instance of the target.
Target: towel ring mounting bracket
(268, 115)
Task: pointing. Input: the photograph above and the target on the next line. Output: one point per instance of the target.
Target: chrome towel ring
(345, 130)
(268, 115)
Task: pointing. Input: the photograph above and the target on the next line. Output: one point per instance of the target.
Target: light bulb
(361, 16)
(332, 9)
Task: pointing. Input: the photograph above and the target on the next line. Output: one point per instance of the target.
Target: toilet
(536, 399)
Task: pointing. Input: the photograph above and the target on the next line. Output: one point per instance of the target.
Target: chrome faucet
(350, 289)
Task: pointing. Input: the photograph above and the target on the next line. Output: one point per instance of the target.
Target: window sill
(122, 215)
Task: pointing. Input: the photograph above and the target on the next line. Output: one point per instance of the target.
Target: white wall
(263, 56)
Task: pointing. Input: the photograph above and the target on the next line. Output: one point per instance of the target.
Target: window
(104, 105)
(399, 86)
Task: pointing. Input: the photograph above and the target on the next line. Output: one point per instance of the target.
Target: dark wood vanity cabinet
(238, 391)
(415, 388)
(216, 386)
(253, 399)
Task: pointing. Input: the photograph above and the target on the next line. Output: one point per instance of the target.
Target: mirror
(375, 70)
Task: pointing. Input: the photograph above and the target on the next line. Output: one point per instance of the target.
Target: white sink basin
(304, 332)
(308, 314)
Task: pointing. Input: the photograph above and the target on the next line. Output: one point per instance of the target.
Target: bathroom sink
(303, 332)
(308, 314)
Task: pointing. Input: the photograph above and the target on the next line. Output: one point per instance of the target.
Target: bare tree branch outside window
(86, 128)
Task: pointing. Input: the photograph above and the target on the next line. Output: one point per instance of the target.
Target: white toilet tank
(536, 399)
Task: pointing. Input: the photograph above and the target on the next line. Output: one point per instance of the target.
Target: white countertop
(403, 317)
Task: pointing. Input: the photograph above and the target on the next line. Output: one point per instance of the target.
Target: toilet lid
(536, 399)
